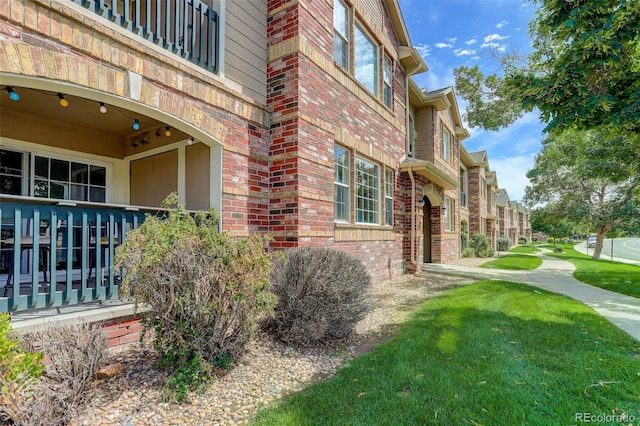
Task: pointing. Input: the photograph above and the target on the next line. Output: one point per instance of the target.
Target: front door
(426, 230)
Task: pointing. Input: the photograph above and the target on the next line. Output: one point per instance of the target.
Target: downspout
(414, 261)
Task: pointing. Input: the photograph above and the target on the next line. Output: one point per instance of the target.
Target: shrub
(481, 245)
(504, 243)
(522, 240)
(551, 240)
(468, 252)
(74, 353)
(322, 294)
(19, 373)
(558, 249)
(205, 290)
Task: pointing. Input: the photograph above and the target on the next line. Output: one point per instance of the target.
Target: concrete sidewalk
(556, 275)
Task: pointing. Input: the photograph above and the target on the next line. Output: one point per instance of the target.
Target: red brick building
(294, 118)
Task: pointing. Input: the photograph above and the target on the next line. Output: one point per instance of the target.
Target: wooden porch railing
(55, 254)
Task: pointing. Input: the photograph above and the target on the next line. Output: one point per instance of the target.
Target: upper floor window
(448, 214)
(388, 197)
(361, 54)
(341, 33)
(366, 60)
(342, 173)
(387, 93)
(413, 136)
(367, 191)
(445, 143)
(464, 178)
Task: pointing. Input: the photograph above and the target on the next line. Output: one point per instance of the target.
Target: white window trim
(349, 172)
(33, 150)
(378, 189)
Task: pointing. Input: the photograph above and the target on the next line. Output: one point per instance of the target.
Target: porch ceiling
(37, 113)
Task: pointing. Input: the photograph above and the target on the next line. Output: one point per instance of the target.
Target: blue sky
(452, 33)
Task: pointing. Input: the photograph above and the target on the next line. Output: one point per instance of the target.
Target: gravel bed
(267, 372)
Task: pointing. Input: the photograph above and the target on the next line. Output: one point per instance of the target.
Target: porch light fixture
(63, 102)
(167, 131)
(12, 95)
(103, 108)
(191, 141)
(136, 124)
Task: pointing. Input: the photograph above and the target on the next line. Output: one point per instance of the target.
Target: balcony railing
(55, 255)
(187, 28)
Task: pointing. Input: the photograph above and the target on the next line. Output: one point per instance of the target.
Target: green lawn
(615, 276)
(524, 249)
(491, 353)
(514, 262)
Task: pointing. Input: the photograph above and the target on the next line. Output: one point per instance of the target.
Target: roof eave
(430, 171)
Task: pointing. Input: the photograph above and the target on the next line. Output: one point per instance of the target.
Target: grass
(620, 277)
(517, 262)
(492, 353)
(524, 249)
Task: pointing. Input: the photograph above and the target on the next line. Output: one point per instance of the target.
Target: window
(341, 173)
(463, 186)
(366, 60)
(387, 95)
(11, 172)
(483, 188)
(445, 143)
(367, 191)
(341, 33)
(388, 197)
(67, 180)
(52, 178)
(413, 136)
(448, 214)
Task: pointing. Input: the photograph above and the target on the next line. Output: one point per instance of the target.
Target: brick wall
(317, 104)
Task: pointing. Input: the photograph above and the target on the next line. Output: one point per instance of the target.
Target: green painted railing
(55, 255)
(187, 28)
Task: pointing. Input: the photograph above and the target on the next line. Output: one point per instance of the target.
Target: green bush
(481, 245)
(468, 252)
(19, 373)
(322, 294)
(550, 240)
(205, 289)
(523, 240)
(504, 243)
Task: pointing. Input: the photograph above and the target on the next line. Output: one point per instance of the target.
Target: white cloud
(502, 24)
(443, 45)
(464, 52)
(451, 40)
(512, 173)
(470, 42)
(495, 46)
(493, 37)
(423, 49)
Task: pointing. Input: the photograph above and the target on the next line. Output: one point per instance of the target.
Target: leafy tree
(551, 221)
(588, 176)
(584, 70)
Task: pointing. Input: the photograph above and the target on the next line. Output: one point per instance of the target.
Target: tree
(584, 70)
(588, 176)
(550, 221)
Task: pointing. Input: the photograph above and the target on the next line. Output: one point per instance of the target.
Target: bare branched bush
(205, 290)
(322, 294)
(74, 354)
